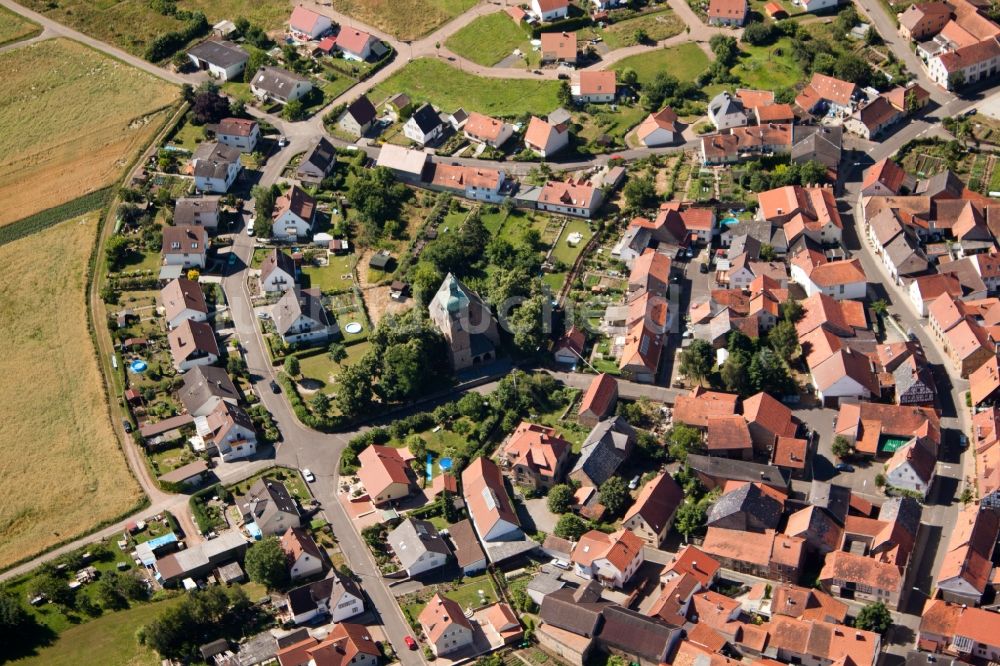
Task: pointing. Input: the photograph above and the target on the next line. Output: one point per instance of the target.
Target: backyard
(768, 67)
(656, 26)
(320, 371)
(337, 275)
(489, 39)
(685, 61)
(404, 19)
(72, 119)
(448, 89)
(14, 27)
(64, 456)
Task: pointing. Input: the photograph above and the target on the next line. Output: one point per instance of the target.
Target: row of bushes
(565, 25)
(49, 217)
(199, 507)
(302, 412)
(165, 45)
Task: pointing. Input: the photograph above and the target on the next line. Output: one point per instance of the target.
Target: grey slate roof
(604, 449)
(725, 104)
(362, 110)
(546, 583)
(738, 470)
(212, 160)
(637, 635)
(562, 610)
(203, 382)
(187, 208)
(943, 183)
(318, 161)
(904, 510)
(820, 143)
(296, 302)
(426, 118)
(414, 538)
(834, 499)
(222, 54)
(277, 81)
(304, 599)
(266, 498)
(749, 506)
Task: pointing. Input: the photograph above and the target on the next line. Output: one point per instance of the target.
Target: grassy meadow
(404, 19)
(72, 119)
(14, 27)
(489, 39)
(59, 457)
(685, 61)
(448, 89)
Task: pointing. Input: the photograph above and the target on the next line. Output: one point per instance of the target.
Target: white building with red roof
(535, 456)
(355, 44)
(484, 129)
(659, 129)
(305, 24)
(581, 200)
(549, 10)
(594, 86)
(546, 138)
(445, 626)
(611, 559)
(728, 12)
(385, 473)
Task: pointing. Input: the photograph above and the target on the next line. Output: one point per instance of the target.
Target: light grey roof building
(747, 509)
(418, 546)
(269, 505)
(204, 387)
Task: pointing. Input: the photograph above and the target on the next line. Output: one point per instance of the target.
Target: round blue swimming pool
(138, 366)
(444, 464)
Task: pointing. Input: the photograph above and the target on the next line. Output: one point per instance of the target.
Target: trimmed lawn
(685, 62)
(108, 640)
(65, 457)
(321, 369)
(14, 27)
(489, 39)
(188, 137)
(337, 275)
(429, 80)
(563, 251)
(768, 67)
(468, 595)
(405, 19)
(614, 124)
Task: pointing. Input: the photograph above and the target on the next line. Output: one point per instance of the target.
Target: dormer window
(175, 245)
(194, 246)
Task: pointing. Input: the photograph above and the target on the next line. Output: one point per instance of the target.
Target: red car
(410, 643)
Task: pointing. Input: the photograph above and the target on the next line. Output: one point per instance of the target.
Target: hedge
(52, 216)
(565, 25)
(197, 504)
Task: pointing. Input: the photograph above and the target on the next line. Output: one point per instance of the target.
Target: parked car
(274, 387)
(308, 475)
(232, 259)
(844, 467)
(127, 425)
(410, 643)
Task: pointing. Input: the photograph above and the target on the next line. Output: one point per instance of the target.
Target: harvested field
(58, 454)
(404, 19)
(73, 118)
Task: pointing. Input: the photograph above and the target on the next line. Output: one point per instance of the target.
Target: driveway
(539, 514)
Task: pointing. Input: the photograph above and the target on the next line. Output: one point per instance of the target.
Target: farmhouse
(294, 212)
(197, 212)
(223, 60)
(279, 85)
(299, 316)
(184, 246)
(216, 166)
(238, 133)
(358, 117)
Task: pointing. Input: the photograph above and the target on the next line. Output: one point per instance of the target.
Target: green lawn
(657, 25)
(321, 369)
(613, 124)
(492, 220)
(240, 91)
(337, 275)
(563, 251)
(14, 27)
(188, 137)
(448, 89)
(489, 39)
(768, 67)
(685, 62)
(468, 595)
(109, 640)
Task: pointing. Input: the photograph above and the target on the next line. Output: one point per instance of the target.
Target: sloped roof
(657, 503)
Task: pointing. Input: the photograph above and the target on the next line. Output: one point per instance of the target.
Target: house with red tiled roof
(306, 24)
(701, 405)
(872, 119)
(594, 86)
(878, 429)
(535, 456)
(957, 68)
(925, 289)
(767, 419)
(484, 129)
(445, 626)
(728, 12)
(347, 644)
(791, 454)
(611, 559)
(885, 178)
(694, 562)
(385, 473)
(549, 10)
(842, 279)
(659, 129)
(984, 382)
(923, 20)
(599, 401)
(487, 502)
(767, 554)
(969, 633)
(795, 641)
(966, 570)
(303, 555)
(569, 347)
(567, 198)
(729, 437)
(809, 211)
(558, 47)
(826, 93)
(546, 138)
(355, 44)
(911, 468)
(653, 513)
